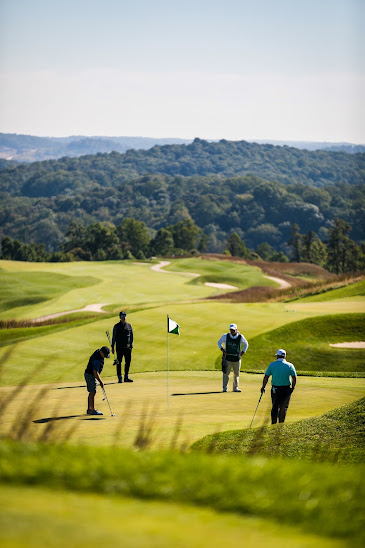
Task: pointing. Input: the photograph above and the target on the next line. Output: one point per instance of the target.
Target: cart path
(158, 268)
(87, 308)
(358, 344)
(283, 283)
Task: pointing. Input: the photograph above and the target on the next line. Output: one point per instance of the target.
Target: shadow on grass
(197, 393)
(48, 419)
(79, 386)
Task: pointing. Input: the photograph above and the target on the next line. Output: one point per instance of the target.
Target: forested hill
(224, 158)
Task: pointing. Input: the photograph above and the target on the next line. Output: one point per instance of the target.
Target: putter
(115, 362)
(106, 398)
(256, 409)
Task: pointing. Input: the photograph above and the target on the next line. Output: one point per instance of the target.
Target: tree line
(132, 240)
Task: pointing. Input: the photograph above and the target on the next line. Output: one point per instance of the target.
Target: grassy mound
(324, 498)
(338, 435)
(307, 345)
(356, 289)
(23, 288)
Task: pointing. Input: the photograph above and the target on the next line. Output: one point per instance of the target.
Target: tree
(185, 234)
(295, 242)
(236, 246)
(135, 234)
(338, 246)
(163, 242)
(265, 251)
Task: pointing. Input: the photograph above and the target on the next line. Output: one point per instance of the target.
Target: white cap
(233, 326)
(281, 353)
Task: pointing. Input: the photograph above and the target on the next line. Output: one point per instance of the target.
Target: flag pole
(168, 408)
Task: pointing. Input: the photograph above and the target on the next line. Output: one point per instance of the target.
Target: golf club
(115, 362)
(256, 409)
(106, 398)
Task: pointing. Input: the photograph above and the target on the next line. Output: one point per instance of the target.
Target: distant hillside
(29, 148)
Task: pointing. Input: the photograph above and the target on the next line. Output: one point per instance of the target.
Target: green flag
(173, 327)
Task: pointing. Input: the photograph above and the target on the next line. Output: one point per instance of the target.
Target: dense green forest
(255, 191)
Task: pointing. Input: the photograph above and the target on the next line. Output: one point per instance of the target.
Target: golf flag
(173, 327)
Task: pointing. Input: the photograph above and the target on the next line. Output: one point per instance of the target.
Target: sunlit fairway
(191, 406)
(114, 283)
(65, 353)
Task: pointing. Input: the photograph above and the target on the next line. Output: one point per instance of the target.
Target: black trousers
(125, 353)
(280, 398)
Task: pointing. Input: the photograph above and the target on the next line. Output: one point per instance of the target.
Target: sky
(213, 69)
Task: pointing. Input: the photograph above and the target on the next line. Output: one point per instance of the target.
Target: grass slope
(307, 344)
(22, 288)
(338, 435)
(145, 523)
(323, 499)
(120, 284)
(356, 289)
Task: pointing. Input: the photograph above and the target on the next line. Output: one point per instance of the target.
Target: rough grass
(339, 287)
(324, 498)
(307, 345)
(338, 436)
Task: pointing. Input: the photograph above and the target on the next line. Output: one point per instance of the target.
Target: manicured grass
(131, 523)
(307, 344)
(236, 274)
(24, 287)
(66, 352)
(121, 284)
(194, 408)
(324, 499)
(352, 290)
(338, 435)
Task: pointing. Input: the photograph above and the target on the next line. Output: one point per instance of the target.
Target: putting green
(191, 406)
(36, 517)
(65, 354)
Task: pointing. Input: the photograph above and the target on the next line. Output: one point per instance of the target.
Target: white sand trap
(159, 266)
(359, 344)
(220, 286)
(283, 283)
(87, 308)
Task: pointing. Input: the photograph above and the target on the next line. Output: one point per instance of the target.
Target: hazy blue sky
(233, 69)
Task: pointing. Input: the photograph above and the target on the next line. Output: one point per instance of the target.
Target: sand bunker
(283, 283)
(220, 286)
(158, 268)
(358, 344)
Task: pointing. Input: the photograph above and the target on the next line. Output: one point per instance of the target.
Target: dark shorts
(90, 382)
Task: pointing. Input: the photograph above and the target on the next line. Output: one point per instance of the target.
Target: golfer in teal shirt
(283, 381)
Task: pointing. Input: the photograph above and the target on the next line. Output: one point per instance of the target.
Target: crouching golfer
(281, 373)
(92, 374)
(235, 345)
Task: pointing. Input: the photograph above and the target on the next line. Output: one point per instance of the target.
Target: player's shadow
(196, 393)
(79, 386)
(49, 419)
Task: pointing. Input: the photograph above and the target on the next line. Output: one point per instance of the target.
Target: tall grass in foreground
(320, 498)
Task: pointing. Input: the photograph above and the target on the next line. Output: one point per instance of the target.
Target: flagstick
(168, 407)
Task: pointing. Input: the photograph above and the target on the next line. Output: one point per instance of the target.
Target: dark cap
(106, 351)
(122, 314)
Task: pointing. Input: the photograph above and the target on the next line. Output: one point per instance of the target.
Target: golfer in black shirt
(123, 341)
